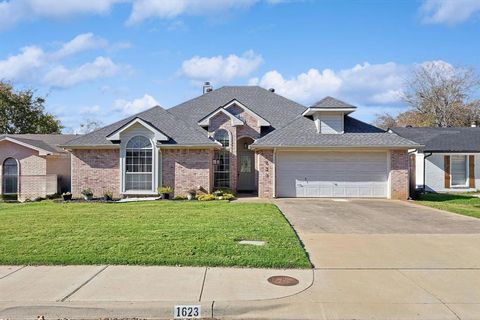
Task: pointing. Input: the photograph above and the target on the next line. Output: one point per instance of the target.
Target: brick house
(33, 165)
(247, 139)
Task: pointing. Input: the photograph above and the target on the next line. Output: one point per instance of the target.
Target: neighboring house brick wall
(32, 169)
(98, 169)
(60, 166)
(185, 169)
(399, 174)
(266, 173)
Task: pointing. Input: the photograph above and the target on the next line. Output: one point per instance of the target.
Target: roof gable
(45, 144)
(178, 132)
(205, 122)
(159, 135)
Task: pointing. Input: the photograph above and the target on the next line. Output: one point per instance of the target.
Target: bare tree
(90, 125)
(443, 93)
(439, 95)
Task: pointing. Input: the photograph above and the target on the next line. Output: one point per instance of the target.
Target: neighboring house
(33, 165)
(449, 160)
(247, 139)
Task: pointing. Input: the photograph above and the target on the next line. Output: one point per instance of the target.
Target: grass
(148, 233)
(465, 204)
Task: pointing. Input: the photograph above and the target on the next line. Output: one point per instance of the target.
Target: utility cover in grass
(252, 242)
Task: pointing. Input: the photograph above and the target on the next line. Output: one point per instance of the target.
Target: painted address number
(187, 312)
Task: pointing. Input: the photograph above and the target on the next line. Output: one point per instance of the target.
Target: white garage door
(331, 174)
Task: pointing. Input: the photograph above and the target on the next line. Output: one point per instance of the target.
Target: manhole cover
(284, 281)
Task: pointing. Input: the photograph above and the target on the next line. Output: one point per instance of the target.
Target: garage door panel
(319, 174)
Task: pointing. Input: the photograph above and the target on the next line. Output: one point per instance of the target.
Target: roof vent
(207, 87)
(271, 89)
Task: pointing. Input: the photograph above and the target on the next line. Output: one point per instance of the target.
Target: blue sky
(106, 59)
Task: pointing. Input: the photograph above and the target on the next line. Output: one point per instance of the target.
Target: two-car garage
(331, 174)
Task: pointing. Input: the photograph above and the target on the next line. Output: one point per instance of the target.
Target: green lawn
(458, 203)
(148, 233)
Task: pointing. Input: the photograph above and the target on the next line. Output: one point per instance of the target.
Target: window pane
(138, 164)
(459, 170)
(223, 137)
(10, 176)
(221, 169)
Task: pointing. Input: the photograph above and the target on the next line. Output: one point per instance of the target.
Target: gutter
(335, 147)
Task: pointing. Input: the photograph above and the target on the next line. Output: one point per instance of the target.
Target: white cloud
(364, 83)
(450, 12)
(144, 9)
(221, 68)
(15, 11)
(306, 86)
(136, 105)
(82, 42)
(33, 64)
(22, 65)
(95, 109)
(61, 76)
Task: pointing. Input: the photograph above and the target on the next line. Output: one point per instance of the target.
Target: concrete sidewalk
(93, 292)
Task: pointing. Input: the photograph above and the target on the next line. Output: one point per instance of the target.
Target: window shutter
(446, 169)
(471, 171)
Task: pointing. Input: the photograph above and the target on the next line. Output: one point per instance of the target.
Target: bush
(165, 190)
(222, 191)
(228, 196)
(206, 197)
(108, 195)
(87, 192)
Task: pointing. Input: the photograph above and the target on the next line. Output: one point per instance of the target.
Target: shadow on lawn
(442, 197)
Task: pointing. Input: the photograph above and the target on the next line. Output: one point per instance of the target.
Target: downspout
(424, 175)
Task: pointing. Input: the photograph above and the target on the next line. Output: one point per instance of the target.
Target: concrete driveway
(359, 233)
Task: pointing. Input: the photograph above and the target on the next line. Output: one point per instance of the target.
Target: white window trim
(467, 171)
(155, 166)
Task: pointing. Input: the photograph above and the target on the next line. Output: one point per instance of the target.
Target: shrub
(228, 196)
(87, 192)
(165, 190)
(206, 197)
(108, 195)
(221, 191)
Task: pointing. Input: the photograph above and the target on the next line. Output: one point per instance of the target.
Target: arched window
(221, 161)
(223, 137)
(10, 177)
(138, 164)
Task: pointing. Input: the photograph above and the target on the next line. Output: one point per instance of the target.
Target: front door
(245, 166)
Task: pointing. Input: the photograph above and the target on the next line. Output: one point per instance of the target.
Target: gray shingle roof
(465, 139)
(47, 142)
(331, 103)
(302, 133)
(270, 106)
(178, 131)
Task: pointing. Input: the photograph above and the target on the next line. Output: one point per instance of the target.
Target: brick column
(265, 173)
(399, 175)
